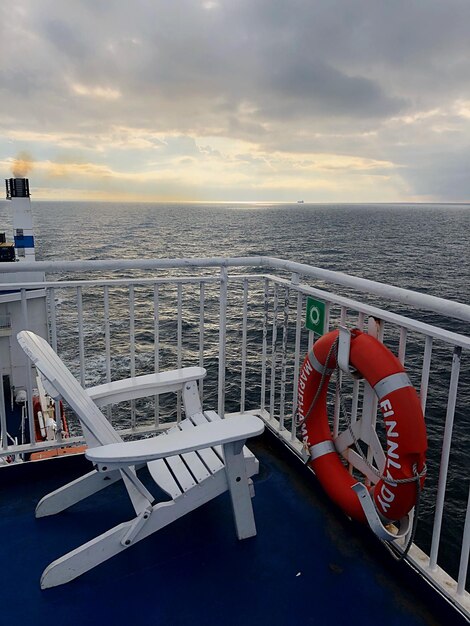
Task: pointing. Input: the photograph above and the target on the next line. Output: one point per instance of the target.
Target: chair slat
(161, 474)
(192, 459)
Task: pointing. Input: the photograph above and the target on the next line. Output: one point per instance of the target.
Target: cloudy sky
(238, 100)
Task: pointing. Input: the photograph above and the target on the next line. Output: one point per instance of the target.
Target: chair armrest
(220, 432)
(142, 386)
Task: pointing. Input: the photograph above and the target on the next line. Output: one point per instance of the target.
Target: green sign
(315, 319)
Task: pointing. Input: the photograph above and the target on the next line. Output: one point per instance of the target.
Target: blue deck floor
(304, 567)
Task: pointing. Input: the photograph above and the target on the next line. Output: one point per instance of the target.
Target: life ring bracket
(373, 518)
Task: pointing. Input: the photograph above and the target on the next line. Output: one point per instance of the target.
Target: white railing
(5, 322)
(247, 330)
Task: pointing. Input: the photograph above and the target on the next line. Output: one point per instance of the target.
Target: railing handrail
(449, 308)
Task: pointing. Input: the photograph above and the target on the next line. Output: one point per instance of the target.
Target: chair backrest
(96, 428)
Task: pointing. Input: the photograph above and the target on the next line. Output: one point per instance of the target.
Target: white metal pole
(29, 377)
(222, 339)
(244, 340)
(465, 552)
(298, 330)
(273, 354)
(444, 465)
(81, 344)
(132, 345)
(156, 345)
(179, 343)
(264, 349)
(201, 336)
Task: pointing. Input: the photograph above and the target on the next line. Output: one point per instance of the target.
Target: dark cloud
(299, 76)
(66, 39)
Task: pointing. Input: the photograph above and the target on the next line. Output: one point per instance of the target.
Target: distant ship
(300, 201)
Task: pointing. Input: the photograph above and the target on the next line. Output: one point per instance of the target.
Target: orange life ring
(39, 423)
(404, 422)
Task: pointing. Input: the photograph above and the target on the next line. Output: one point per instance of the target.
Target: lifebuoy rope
(298, 422)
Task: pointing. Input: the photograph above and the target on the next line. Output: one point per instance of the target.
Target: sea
(424, 247)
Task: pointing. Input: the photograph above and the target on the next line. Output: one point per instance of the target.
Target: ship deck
(307, 565)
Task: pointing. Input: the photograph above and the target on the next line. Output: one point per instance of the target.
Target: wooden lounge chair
(194, 462)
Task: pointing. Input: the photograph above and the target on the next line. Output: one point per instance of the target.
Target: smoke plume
(22, 165)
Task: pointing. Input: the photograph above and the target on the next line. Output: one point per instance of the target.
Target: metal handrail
(458, 310)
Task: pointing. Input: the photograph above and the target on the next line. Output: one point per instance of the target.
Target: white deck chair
(194, 462)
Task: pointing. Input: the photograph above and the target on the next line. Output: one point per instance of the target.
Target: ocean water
(420, 247)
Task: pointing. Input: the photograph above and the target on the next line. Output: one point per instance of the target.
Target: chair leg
(110, 543)
(74, 492)
(239, 490)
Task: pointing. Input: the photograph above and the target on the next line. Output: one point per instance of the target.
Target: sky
(237, 100)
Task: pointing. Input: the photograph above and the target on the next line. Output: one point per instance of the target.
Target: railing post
(264, 349)
(29, 376)
(282, 402)
(244, 341)
(107, 343)
(53, 342)
(272, 389)
(222, 338)
(295, 281)
(81, 340)
(156, 346)
(465, 552)
(179, 342)
(3, 416)
(444, 464)
(132, 346)
(201, 336)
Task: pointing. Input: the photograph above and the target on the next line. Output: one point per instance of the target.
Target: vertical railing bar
(284, 359)
(370, 404)
(107, 334)
(360, 320)
(29, 375)
(381, 330)
(339, 382)
(222, 339)
(53, 326)
(327, 316)
(423, 390)
(179, 331)
(356, 383)
(156, 346)
(201, 337)
(356, 386)
(355, 400)
(244, 346)
(264, 352)
(3, 416)
(464, 554)
(444, 464)
(273, 353)
(132, 345)
(53, 318)
(81, 340)
(402, 345)
(179, 343)
(298, 331)
(107, 343)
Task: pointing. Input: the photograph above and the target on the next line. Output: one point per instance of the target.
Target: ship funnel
(18, 194)
(17, 188)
